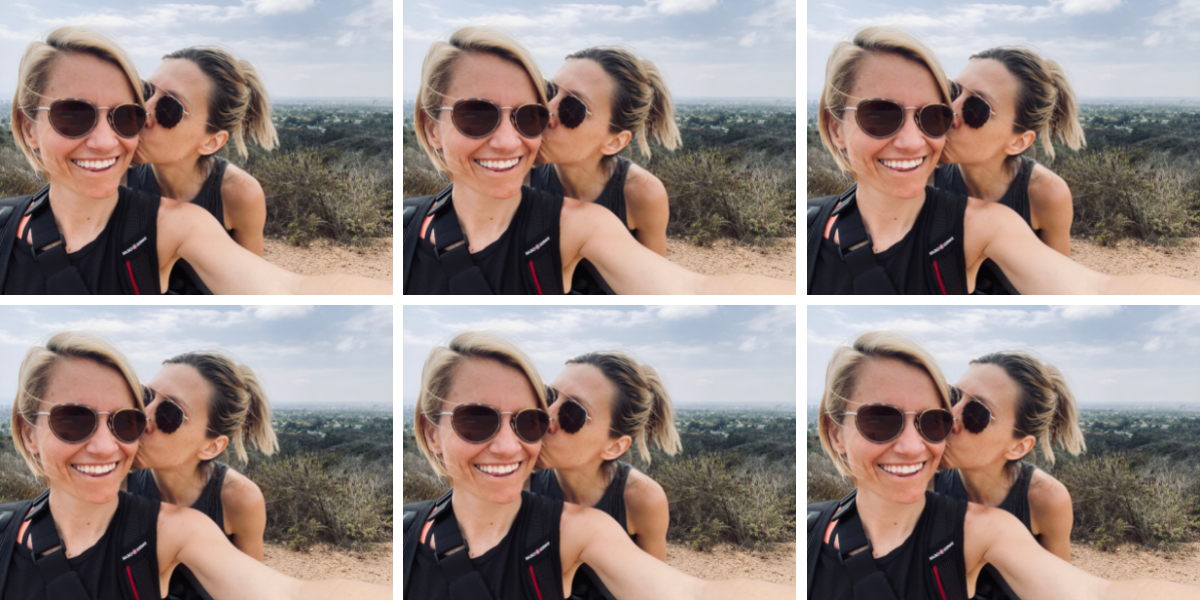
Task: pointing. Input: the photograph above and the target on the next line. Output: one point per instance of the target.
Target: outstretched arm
(649, 209)
(245, 207)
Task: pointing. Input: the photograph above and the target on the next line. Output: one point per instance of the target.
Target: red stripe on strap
(535, 585)
(134, 282)
(535, 281)
(130, 573)
(938, 272)
(939, 580)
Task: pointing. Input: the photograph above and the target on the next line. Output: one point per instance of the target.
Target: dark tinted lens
(880, 118)
(168, 112)
(936, 424)
(976, 112)
(532, 119)
(128, 120)
(976, 416)
(532, 425)
(475, 423)
(128, 424)
(935, 119)
(72, 424)
(571, 416)
(572, 111)
(72, 118)
(880, 423)
(475, 118)
(168, 417)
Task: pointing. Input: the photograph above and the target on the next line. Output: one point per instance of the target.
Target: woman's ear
(836, 130)
(432, 437)
(616, 448)
(27, 130)
(1020, 448)
(835, 435)
(1019, 144)
(31, 443)
(215, 142)
(616, 143)
(214, 447)
(432, 133)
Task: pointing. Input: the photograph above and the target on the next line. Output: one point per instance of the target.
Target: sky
(725, 355)
(1128, 355)
(311, 48)
(1109, 48)
(705, 48)
(303, 355)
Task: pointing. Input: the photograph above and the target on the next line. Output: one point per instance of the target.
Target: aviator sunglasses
(478, 423)
(976, 111)
(477, 118)
(976, 416)
(571, 110)
(73, 118)
(169, 111)
(882, 118)
(572, 416)
(882, 423)
(75, 423)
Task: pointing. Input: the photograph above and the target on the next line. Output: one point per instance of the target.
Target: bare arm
(245, 207)
(1051, 209)
(245, 513)
(1051, 513)
(649, 514)
(186, 536)
(648, 208)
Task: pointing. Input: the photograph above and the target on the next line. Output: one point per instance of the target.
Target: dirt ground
(725, 562)
(726, 257)
(323, 562)
(1180, 566)
(323, 257)
(1129, 257)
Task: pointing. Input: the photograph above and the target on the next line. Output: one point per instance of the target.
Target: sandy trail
(1129, 257)
(1180, 566)
(726, 562)
(726, 257)
(324, 562)
(324, 257)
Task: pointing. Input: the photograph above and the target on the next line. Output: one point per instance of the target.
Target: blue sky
(705, 354)
(300, 47)
(1109, 354)
(324, 355)
(703, 47)
(1146, 48)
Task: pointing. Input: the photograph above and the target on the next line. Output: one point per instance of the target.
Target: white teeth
(95, 165)
(902, 469)
(498, 469)
(903, 165)
(499, 165)
(95, 469)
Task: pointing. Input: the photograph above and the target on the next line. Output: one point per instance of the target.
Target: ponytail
(1064, 125)
(239, 103)
(1045, 102)
(661, 122)
(1045, 407)
(1064, 428)
(257, 123)
(641, 102)
(641, 407)
(237, 408)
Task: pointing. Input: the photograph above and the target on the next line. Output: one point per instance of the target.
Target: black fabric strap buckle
(464, 275)
(454, 556)
(857, 555)
(61, 582)
(61, 276)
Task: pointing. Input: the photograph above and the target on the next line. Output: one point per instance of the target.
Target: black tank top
(98, 262)
(905, 567)
(184, 585)
(587, 278)
(97, 566)
(905, 261)
(184, 279)
(991, 585)
(499, 567)
(500, 261)
(990, 279)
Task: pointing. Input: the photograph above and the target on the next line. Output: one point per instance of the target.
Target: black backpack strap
(819, 212)
(50, 554)
(453, 250)
(541, 566)
(138, 260)
(947, 274)
(11, 517)
(819, 516)
(415, 515)
(855, 248)
(11, 210)
(856, 554)
(454, 556)
(947, 577)
(412, 229)
(541, 259)
(138, 547)
(50, 249)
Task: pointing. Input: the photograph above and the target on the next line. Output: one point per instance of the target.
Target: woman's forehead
(77, 75)
(486, 381)
(84, 381)
(479, 75)
(895, 78)
(586, 79)
(890, 381)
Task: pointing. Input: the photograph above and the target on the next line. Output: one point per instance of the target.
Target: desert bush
(16, 176)
(420, 178)
(823, 481)
(420, 482)
(824, 177)
(16, 481)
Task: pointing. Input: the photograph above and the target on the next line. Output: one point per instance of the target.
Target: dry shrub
(824, 177)
(420, 178)
(16, 481)
(16, 176)
(823, 481)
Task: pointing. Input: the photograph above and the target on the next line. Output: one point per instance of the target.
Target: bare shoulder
(1048, 495)
(240, 495)
(642, 188)
(1047, 188)
(239, 187)
(643, 495)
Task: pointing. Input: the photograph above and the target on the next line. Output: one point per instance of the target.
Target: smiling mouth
(498, 166)
(903, 470)
(95, 165)
(95, 470)
(903, 165)
(499, 470)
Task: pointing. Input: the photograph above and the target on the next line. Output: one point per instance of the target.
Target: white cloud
(349, 344)
(275, 7)
(1083, 7)
(1183, 13)
(677, 7)
(1080, 313)
(272, 313)
(751, 344)
(675, 313)
(753, 38)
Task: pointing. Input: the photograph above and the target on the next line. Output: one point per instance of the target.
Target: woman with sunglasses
(77, 418)
(1006, 98)
(201, 403)
(884, 117)
(601, 99)
(198, 99)
(892, 536)
(480, 419)
(77, 113)
(1004, 404)
(601, 404)
(479, 114)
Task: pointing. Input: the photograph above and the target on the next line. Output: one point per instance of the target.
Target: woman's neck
(584, 180)
(80, 524)
(887, 218)
(988, 180)
(481, 523)
(483, 219)
(181, 485)
(584, 485)
(988, 485)
(887, 524)
(80, 219)
(181, 180)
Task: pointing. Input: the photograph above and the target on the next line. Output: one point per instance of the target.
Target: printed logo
(134, 552)
(942, 246)
(538, 551)
(942, 551)
(539, 245)
(134, 247)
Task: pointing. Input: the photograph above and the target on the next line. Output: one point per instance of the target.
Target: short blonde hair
(437, 74)
(33, 75)
(841, 74)
(845, 367)
(441, 367)
(37, 371)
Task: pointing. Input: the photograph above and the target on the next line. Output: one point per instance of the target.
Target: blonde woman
(77, 418)
(199, 99)
(480, 418)
(200, 404)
